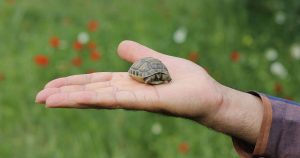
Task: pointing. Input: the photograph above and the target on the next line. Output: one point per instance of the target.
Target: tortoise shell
(150, 71)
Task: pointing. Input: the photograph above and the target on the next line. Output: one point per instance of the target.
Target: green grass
(215, 29)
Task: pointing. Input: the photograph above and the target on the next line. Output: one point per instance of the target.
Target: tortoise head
(166, 78)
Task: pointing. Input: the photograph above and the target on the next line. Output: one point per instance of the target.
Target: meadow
(244, 44)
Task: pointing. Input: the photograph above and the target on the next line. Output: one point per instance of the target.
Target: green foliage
(215, 30)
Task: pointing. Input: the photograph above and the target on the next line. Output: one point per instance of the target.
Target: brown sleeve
(280, 131)
(284, 138)
(246, 150)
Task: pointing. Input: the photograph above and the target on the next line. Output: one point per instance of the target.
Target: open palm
(191, 93)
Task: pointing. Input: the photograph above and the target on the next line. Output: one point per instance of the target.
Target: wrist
(240, 115)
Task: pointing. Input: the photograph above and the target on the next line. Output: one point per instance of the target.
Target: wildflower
(235, 56)
(183, 147)
(271, 54)
(77, 46)
(193, 56)
(180, 35)
(95, 55)
(77, 61)
(289, 98)
(247, 40)
(2, 77)
(156, 128)
(11, 1)
(83, 38)
(92, 45)
(54, 42)
(278, 69)
(92, 25)
(278, 88)
(41, 60)
(280, 17)
(295, 51)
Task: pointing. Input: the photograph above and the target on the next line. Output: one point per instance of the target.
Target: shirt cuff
(246, 150)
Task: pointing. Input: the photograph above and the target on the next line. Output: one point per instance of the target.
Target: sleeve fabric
(280, 131)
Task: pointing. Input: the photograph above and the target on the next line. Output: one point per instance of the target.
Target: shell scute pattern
(150, 71)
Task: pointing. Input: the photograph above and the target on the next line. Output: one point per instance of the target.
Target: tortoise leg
(156, 79)
(152, 80)
(158, 76)
(148, 79)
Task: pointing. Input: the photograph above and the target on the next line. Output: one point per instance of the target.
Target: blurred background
(244, 44)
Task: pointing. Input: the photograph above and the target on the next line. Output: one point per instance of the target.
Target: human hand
(192, 93)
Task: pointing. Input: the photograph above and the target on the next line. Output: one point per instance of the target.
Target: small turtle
(150, 71)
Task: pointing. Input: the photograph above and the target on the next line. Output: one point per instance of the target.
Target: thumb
(132, 51)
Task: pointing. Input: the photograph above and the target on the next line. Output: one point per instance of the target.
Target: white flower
(278, 69)
(156, 128)
(280, 17)
(295, 51)
(83, 37)
(271, 54)
(179, 35)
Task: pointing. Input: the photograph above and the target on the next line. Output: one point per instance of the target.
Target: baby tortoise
(150, 71)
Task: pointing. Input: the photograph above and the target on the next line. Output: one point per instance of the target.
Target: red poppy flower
(41, 60)
(92, 25)
(278, 88)
(183, 147)
(166, 13)
(77, 46)
(2, 77)
(77, 61)
(95, 55)
(289, 98)
(92, 45)
(11, 1)
(193, 56)
(235, 56)
(54, 42)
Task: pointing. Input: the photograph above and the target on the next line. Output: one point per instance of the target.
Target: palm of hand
(191, 93)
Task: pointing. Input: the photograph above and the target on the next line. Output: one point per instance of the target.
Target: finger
(132, 51)
(80, 99)
(107, 99)
(45, 93)
(134, 100)
(79, 79)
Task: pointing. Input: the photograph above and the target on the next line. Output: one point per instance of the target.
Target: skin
(192, 94)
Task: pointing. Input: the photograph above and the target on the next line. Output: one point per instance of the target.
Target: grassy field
(245, 44)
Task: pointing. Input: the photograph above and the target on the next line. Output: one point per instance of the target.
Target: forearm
(240, 115)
